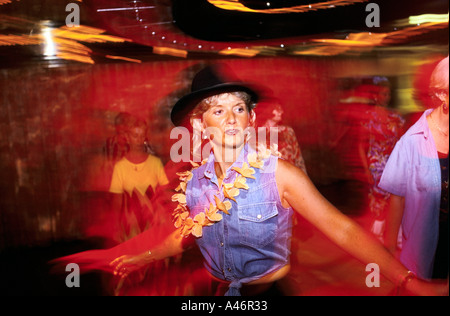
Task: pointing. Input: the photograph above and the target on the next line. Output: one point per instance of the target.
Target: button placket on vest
(227, 255)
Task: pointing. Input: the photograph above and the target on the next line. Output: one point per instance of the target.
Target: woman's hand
(126, 264)
(426, 288)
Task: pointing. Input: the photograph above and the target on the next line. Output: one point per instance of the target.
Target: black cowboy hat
(211, 80)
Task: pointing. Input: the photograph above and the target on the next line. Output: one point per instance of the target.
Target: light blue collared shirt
(413, 172)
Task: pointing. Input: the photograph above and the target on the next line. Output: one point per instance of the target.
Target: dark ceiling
(162, 29)
(197, 18)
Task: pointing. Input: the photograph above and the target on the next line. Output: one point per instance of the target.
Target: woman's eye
(218, 112)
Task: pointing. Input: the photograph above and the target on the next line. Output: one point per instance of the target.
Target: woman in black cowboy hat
(237, 204)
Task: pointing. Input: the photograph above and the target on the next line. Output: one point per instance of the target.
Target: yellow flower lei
(210, 216)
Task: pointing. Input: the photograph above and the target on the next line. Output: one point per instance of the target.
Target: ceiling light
(49, 44)
(428, 18)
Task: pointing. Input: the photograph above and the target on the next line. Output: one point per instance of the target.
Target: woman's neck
(225, 157)
(440, 120)
(137, 156)
(270, 123)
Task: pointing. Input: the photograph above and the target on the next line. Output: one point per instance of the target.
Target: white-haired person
(237, 205)
(416, 175)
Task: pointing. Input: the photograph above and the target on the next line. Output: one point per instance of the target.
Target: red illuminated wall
(54, 123)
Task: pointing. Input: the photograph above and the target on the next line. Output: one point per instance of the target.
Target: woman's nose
(140, 139)
(231, 119)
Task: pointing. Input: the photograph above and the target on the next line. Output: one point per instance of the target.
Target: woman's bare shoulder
(289, 176)
(285, 168)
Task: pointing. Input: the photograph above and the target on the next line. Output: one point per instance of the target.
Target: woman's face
(384, 96)
(226, 120)
(136, 137)
(277, 115)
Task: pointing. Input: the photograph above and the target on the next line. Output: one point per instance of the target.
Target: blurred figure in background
(134, 181)
(270, 116)
(348, 133)
(136, 177)
(416, 175)
(365, 134)
(383, 128)
(117, 145)
(383, 94)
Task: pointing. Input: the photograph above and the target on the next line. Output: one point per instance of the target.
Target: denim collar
(209, 170)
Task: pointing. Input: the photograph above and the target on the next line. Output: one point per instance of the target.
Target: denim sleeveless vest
(254, 240)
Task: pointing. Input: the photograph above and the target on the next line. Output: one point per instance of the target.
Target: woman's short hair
(439, 77)
(136, 122)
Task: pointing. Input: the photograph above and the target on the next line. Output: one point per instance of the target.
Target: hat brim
(187, 103)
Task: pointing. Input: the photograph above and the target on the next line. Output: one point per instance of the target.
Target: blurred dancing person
(269, 114)
(117, 145)
(135, 178)
(383, 129)
(416, 175)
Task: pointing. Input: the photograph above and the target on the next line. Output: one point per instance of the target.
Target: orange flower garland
(210, 216)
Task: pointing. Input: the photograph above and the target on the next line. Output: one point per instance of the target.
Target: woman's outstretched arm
(297, 190)
(172, 245)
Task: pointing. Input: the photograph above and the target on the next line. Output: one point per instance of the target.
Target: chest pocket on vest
(258, 223)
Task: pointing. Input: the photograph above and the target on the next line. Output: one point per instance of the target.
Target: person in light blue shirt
(419, 188)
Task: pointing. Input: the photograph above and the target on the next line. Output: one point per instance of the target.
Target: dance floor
(319, 268)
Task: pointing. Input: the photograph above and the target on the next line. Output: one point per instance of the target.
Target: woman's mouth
(232, 132)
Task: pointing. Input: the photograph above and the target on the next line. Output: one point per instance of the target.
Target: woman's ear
(252, 119)
(442, 96)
